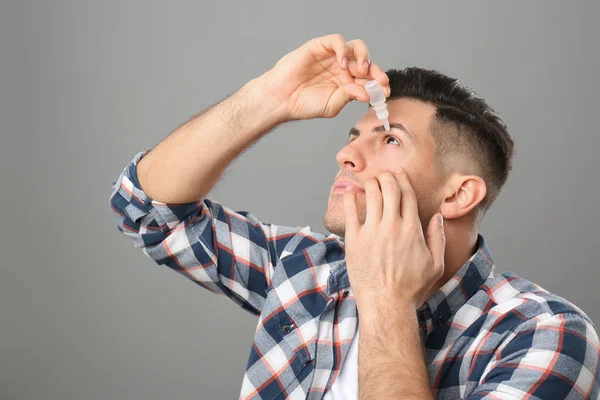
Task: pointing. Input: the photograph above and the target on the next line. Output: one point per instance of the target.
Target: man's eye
(391, 137)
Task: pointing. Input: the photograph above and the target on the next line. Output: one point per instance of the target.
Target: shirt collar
(446, 301)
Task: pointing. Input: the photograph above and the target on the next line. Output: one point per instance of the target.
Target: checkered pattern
(485, 335)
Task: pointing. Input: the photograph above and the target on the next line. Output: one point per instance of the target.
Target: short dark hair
(465, 127)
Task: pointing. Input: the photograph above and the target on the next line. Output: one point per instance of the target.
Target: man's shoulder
(513, 296)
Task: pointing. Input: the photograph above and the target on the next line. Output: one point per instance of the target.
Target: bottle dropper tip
(386, 124)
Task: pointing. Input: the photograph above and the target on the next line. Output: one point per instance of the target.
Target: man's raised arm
(188, 163)
(159, 200)
(316, 80)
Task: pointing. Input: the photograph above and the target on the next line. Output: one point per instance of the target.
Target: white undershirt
(345, 386)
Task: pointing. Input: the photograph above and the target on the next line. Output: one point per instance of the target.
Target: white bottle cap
(375, 91)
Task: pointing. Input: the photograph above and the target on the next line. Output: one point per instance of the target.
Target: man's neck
(461, 244)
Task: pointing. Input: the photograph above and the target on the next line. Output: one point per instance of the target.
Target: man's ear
(462, 194)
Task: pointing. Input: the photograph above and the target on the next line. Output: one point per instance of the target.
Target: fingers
(436, 242)
(336, 44)
(342, 96)
(391, 196)
(375, 72)
(356, 92)
(350, 212)
(408, 207)
(358, 50)
(354, 57)
(374, 201)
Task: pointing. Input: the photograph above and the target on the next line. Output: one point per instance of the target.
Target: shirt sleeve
(554, 358)
(227, 252)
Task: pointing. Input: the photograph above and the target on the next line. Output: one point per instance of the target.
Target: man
(401, 300)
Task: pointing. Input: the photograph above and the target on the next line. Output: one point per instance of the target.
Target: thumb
(356, 92)
(344, 95)
(436, 241)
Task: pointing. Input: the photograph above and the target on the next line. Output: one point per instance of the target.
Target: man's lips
(342, 185)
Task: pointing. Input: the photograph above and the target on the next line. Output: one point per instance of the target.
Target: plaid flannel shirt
(485, 335)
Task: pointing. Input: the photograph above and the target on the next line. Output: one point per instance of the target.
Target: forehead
(415, 115)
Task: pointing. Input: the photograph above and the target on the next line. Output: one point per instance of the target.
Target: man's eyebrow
(381, 128)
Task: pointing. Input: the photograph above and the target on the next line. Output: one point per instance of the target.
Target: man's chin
(334, 224)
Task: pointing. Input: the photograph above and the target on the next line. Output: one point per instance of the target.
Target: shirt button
(287, 329)
(439, 322)
(346, 293)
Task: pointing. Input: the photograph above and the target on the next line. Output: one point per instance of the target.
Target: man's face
(372, 149)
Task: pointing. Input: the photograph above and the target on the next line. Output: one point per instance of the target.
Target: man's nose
(350, 157)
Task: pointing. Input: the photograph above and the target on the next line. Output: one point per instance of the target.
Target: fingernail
(366, 66)
(441, 221)
(345, 62)
(400, 170)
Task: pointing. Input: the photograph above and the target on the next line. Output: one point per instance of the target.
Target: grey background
(85, 85)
